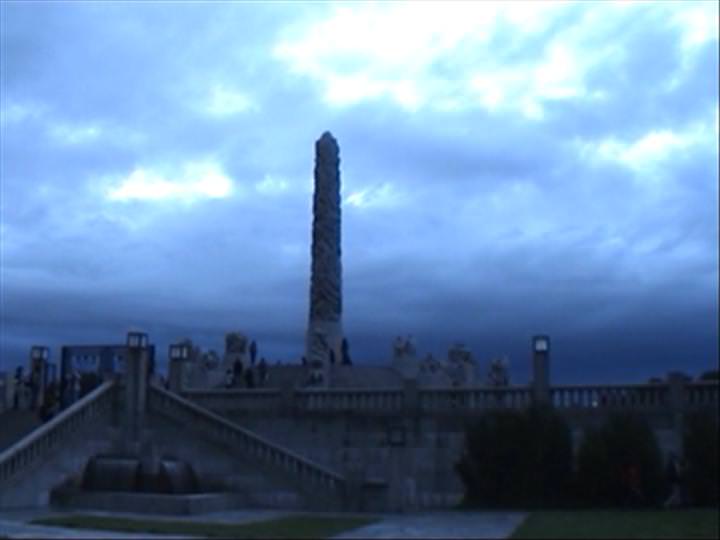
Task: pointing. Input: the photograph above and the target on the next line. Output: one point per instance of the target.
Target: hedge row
(524, 459)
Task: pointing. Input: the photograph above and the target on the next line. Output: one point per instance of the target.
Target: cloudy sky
(507, 169)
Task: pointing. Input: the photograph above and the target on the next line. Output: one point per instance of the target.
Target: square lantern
(541, 344)
(39, 353)
(136, 340)
(179, 352)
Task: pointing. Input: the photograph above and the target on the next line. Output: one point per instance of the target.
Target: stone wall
(411, 455)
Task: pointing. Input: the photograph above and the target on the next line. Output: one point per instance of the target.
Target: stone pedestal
(176, 372)
(541, 369)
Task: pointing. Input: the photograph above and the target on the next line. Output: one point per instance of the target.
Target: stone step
(276, 499)
(146, 503)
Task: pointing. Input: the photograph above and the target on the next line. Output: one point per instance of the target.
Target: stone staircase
(307, 484)
(32, 466)
(252, 470)
(255, 491)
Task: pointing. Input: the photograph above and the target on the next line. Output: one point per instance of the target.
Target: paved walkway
(15, 524)
(441, 525)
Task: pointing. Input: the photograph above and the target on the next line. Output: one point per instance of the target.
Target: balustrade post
(136, 376)
(288, 398)
(541, 369)
(411, 395)
(180, 355)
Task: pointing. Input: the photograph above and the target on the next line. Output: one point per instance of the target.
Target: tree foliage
(608, 453)
(517, 459)
(701, 454)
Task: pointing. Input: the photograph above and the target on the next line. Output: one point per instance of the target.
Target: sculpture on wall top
(459, 354)
(404, 347)
(235, 343)
(498, 374)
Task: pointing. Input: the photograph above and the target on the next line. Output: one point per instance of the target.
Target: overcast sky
(507, 169)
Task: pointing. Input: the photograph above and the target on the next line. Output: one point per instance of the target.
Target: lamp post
(541, 368)
(136, 376)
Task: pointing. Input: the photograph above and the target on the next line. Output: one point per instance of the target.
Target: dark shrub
(620, 464)
(712, 375)
(516, 459)
(701, 455)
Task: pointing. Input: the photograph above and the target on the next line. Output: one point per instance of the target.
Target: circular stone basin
(110, 473)
(126, 473)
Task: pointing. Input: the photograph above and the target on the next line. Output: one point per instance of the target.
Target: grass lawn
(695, 523)
(300, 526)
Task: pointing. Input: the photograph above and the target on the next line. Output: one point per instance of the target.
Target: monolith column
(324, 335)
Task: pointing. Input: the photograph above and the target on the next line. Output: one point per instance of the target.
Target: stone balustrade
(307, 474)
(232, 399)
(626, 396)
(640, 397)
(32, 449)
(474, 398)
(702, 394)
(336, 400)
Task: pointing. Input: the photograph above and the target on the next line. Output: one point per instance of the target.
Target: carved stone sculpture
(325, 324)
(404, 347)
(235, 342)
(459, 354)
(498, 374)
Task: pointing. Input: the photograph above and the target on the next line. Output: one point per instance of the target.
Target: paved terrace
(15, 524)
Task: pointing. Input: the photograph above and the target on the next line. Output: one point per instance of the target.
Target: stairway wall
(219, 467)
(33, 488)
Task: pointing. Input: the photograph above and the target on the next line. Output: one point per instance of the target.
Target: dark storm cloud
(594, 222)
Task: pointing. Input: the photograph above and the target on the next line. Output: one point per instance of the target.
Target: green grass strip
(300, 526)
(694, 523)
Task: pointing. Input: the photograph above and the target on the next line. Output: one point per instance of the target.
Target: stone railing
(226, 400)
(627, 396)
(33, 448)
(345, 399)
(702, 394)
(470, 399)
(308, 475)
(474, 399)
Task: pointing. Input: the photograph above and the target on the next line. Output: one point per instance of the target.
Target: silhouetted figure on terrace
(237, 372)
(76, 387)
(48, 409)
(35, 388)
(262, 372)
(18, 387)
(346, 353)
(253, 352)
(249, 379)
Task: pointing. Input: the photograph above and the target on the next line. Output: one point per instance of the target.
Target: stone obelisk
(325, 323)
